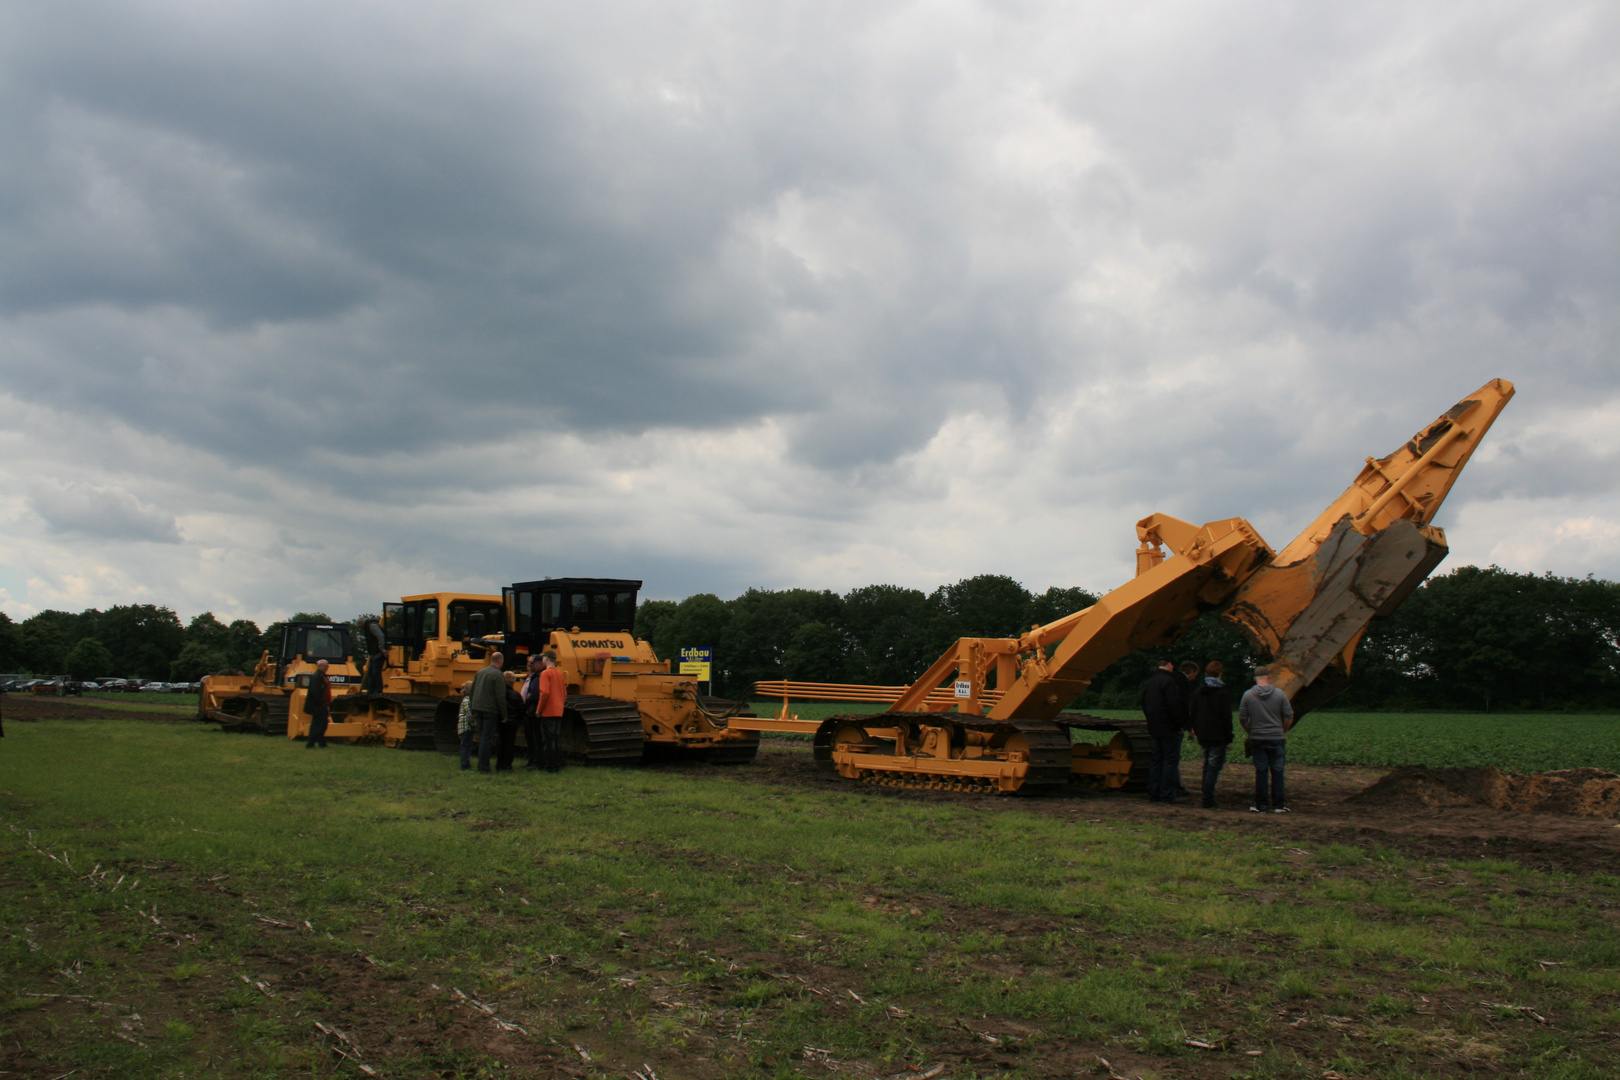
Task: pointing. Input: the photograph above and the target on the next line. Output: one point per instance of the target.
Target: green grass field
(176, 901)
(1531, 742)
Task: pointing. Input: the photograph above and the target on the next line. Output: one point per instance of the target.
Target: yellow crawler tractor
(432, 646)
(1304, 608)
(624, 704)
(265, 700)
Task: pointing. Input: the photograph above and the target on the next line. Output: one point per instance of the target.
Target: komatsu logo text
(598, 643)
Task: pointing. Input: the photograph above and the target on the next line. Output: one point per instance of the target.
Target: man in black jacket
(1164, 703)
(1212, 724)
(318, 704)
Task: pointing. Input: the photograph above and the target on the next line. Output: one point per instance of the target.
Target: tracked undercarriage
(952, 752)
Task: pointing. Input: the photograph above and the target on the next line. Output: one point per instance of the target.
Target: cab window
(324, 643)
(525, 612)
(430, 619)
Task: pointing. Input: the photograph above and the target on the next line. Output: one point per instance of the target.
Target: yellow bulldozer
(624, 704)
(1304, 608)
(267, 699)
(430, 645)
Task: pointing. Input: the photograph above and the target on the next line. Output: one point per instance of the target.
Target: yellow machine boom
(1304, 609)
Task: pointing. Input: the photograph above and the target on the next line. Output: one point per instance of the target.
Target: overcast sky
(311, 305)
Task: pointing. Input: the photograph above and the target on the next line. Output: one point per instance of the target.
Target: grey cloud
(102, 511)
(365, 249)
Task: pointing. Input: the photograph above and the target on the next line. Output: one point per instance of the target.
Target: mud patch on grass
(1591, 793)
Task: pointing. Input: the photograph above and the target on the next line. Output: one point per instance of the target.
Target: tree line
(1473, 638)
(135, 641)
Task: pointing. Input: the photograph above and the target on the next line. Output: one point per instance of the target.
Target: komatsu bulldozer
(1304, 608)
(433, 643)
(265, 700)
(624, 703)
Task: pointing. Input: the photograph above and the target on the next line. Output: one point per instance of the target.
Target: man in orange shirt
(553, 693)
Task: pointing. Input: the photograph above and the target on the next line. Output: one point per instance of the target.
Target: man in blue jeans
(489, 709)
(1266, 715)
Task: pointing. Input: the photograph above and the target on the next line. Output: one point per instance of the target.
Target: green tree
(144, 638)
(989, 605)
(1495, 639)
(761, 630)
(245, 644)
(889, 633)
(42, 640)
(816, 654)
(196, 659)
(651, 616)
(10, 644)
(88, 659)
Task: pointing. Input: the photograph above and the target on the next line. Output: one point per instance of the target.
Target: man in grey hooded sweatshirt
(1266, 715)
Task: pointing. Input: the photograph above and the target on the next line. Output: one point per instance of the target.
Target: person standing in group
(1266, 715)
(509, 726)
(553, 695)
(318, 705)
(466, 726)
(1164, 703)
(489, 707)
(531, 713)
(1212, 725)
(1189, 681)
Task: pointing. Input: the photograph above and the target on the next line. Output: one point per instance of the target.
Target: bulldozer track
(252, 714)
(1135, 731)
(601, 731)
(417, 710)
(1049, 753)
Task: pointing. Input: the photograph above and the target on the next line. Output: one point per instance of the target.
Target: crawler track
(1049, 753)
(601, 731)
(252, 714)
(1134, 730)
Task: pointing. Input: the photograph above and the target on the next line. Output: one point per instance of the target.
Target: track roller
(599, 730)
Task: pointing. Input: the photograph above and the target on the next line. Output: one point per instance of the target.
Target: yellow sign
(701, 670)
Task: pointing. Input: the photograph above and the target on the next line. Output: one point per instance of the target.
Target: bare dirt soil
(1553, 821)
(24, 708)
